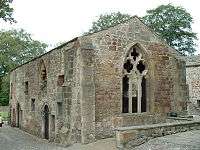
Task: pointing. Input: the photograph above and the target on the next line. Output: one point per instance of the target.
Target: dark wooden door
(18, 115)
(46, 122)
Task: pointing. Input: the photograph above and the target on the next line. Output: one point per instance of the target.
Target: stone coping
(156, 125)
(180, 118)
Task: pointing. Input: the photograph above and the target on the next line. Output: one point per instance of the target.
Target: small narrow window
(198, 103)
(60, 80)
(32, 104)
(143, 100)
(11, 90)
(125, 95)
(43, 77)
(59, 104)
(26, 88)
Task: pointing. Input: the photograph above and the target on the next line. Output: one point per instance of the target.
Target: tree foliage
(108, 20)
(174, 25)
(16, 47)
(6, 11)
(4, 90)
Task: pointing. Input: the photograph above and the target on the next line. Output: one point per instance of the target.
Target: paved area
(181, 141)
(15, 139)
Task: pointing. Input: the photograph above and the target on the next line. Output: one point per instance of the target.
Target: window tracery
(134, 82)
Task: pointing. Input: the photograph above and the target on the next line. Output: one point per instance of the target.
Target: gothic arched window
(134, 82)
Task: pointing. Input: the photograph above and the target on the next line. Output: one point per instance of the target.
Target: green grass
(4, 115)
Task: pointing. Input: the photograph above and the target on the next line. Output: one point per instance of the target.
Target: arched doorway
(46, 121)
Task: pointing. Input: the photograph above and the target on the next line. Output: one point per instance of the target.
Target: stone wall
(165, 90)
(80, 83)
(125, 120)
(170, 81)
(193, 81)
(27, 84)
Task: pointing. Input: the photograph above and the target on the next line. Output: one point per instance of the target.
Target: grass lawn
(4, 115)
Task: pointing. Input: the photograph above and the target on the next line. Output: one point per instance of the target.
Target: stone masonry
(80, 91)
(193, 82)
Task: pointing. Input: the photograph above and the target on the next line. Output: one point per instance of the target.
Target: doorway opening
(46, 121)
(19, 116)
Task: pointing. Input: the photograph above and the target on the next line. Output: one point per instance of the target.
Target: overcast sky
(54, 21)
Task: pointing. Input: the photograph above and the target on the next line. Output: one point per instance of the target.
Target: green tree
(16, 47)
(6, 11)
(173, 24)
(108, 20)
(4, 90)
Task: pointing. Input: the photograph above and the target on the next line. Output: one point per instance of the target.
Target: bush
(4, 115)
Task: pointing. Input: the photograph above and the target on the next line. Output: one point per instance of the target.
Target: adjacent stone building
(80, 91)
(193, 81)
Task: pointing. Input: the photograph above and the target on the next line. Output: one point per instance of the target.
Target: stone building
(193, 81)
(80, 91)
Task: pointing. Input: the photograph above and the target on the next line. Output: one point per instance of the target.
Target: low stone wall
(124, 120)
(129, 137)
(178, 119)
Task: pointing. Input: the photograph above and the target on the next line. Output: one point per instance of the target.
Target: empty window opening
(32, 104)
(198, 103)
(143, 100)
(134, 105)
(140, 67)
(125, 95)
(60, 80)
(26, 88)
(134, 53)
(43, 73)
(19, 115)
(128, 66)
(60, 108)
(43, 76)
(11, 90)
